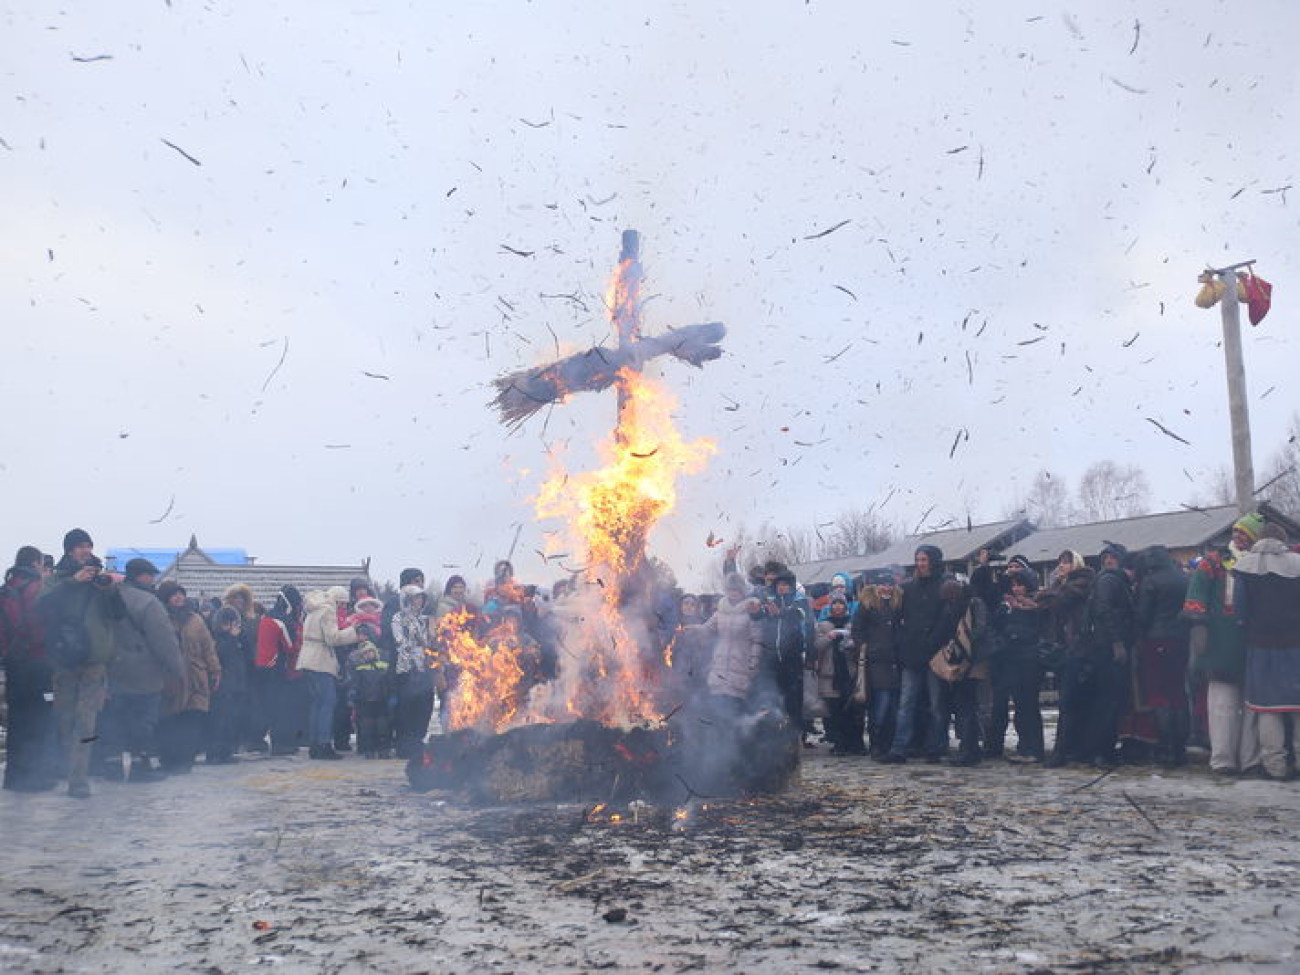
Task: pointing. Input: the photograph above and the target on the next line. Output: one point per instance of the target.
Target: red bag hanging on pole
(1259, 297)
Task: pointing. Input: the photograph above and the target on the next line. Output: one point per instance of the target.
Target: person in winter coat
(319, 663)
(1015, 672)
(958, 698)
(226, 717)
(787, 636)
(731, 682)
(875, 634)
(148, 656)
(1096, 692)
(414, 667)
(30, 743)
(837, 680)
(392, 603)
(342, 726)
(1217, 647)
(1158, 713)
(253, 707)
(737, 648)
(79, 610)
(1069, 645)
(279, 639)
(925, 624)
(371, 682)
(688, 654)
(839, 586)
(1268, 599)
(186, 704)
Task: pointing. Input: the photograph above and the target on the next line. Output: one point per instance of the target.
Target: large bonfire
(610, 664)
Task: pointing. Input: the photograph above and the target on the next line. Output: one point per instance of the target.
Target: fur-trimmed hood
(240, 597)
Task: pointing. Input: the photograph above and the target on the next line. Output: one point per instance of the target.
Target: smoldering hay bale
(586, 761)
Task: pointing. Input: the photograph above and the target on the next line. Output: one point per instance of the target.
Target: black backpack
(67, 643)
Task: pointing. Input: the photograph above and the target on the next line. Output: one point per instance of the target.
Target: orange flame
(488, 675)
(612, 511)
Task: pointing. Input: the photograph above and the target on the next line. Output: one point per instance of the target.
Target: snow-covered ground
(295, 866)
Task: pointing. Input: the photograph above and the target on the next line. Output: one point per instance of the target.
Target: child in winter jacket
(229, 699)
(371, 683)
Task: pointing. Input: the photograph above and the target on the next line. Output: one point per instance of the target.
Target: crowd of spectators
(131, 678)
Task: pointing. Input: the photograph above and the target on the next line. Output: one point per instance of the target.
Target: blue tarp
(164, 557)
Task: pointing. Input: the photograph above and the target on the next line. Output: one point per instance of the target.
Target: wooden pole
(1243, 467)
(627, 318)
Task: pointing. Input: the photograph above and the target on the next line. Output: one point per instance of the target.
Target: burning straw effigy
(606, 726)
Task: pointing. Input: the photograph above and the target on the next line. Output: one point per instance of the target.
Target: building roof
(164, 558)
(1189, 528)
(957, 544)
(207, 572)
(205, 581)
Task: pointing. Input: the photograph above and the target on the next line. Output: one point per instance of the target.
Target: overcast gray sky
(362, 165)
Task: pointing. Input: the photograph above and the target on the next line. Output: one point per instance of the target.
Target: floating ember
(605, 724)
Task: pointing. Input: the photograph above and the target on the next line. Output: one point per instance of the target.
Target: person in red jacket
(279, 638)
(29, 687)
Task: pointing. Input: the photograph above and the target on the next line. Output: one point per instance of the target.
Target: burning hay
(521, 394)
(590, 762)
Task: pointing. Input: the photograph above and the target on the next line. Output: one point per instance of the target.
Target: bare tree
(789, 545)
(1047, 504)
(1217, 490)
(1108, 491)
(1284, 474)
(857, 531)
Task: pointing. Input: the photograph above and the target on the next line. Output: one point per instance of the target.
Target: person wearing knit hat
(80, 607)
(1246, 531)
(149, 655)
(1018, 563)
(77, 538)
(186, 703)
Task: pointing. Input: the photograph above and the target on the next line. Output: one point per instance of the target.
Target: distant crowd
(129, 678)
(1145, 655)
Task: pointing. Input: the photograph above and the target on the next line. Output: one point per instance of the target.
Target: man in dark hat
(148, 653)
(29, 689)
(80, 609)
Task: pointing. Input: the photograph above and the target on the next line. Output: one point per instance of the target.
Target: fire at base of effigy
(623, 710)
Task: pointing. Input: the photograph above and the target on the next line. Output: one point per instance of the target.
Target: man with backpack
(29, 744)
(80, 609)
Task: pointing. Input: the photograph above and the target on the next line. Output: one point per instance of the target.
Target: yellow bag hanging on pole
(1212, 289)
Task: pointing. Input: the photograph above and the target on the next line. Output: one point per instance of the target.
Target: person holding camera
(80, 608)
